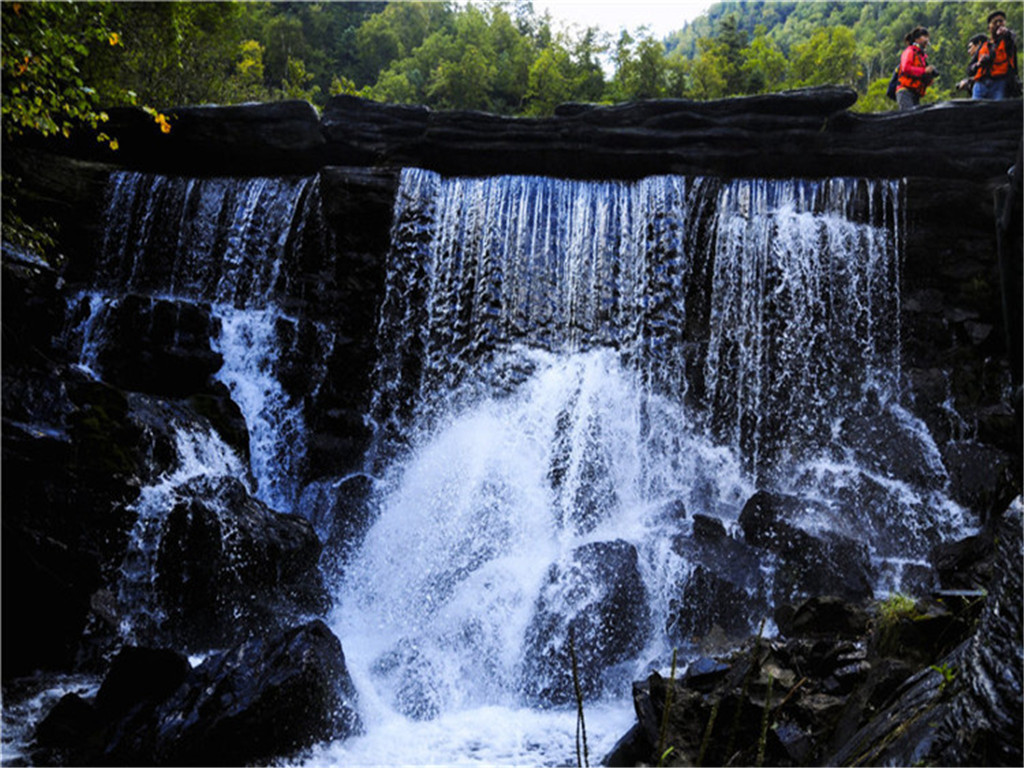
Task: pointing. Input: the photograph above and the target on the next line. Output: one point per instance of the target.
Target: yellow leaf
(114, 145)
(115, 39)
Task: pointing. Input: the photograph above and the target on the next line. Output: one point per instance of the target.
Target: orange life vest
(1000, 63)
(915, 83)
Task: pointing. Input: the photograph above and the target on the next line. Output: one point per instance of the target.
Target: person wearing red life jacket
(915, 71)
(996, 77)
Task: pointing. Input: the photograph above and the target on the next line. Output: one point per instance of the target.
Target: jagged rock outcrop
(592, 606)
(931, 684)
(258, 700)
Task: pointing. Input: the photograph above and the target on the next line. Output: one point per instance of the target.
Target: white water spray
(568, 373)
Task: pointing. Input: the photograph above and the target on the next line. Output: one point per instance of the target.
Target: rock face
(228, 567)
(808, 565)
(835, 689)
(596, 602)
(260, 699)
(804, 133)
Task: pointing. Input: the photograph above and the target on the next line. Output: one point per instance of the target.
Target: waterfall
(568, 374)
(226, 246)
(221, 250)
(573, 381)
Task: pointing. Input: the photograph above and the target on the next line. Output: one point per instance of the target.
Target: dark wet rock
(632, 749)
(885, 442)
(160, 346)
(67, 726)
(342, 516)
(262, 699)
(595, 600)
(708, 600)
(966, 563)
(965, 709)
(952, 697)
(224, 415)
(228, 567)
(278, 137)
(46, 595)
(139, 676)
(823, 616)
(722, 597)
(981, 477)
(807, 564)
(704, 673)
(33, 311)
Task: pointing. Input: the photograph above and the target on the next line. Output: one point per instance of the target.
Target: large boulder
(806, 564)
(227, 566)
(724, 591)
(594, 603)
(263, 699)
(966, 708)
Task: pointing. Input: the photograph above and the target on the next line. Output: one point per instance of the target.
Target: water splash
(199, 452)
(570, 372)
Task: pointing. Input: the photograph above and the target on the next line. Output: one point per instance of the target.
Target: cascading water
(568, 372)
(218, 245)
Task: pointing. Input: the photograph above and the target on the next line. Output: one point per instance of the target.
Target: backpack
(894, 82)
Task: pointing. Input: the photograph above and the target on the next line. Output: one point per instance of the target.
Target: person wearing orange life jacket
(996, 77)
(973, 46)
(915, 71)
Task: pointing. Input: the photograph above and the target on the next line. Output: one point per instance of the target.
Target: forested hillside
(762, 46)
(64, 63)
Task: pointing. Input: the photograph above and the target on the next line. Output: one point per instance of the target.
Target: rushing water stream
(567, 373)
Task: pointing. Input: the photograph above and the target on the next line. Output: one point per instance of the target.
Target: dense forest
(64, 63)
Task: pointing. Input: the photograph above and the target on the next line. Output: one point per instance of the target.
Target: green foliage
(44, 48)
(948, 672)
(895, 607)
(64, 63)
(829, 57)
(837, 43)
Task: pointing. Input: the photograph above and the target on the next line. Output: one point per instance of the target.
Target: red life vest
(919, 60)
(1000, 62)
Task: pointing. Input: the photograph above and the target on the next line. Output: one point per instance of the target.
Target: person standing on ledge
(915, 71)
(996, 77)
(972, 68)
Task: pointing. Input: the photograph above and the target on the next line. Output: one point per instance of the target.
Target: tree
(174, 53)
(706, 79)
(829, 57)
(731, 43)
(764, 64)
(44, 90)
(462, 84)
(588, 77)
(285, 42)
(297, 82)
(246, 84)
(549, 81)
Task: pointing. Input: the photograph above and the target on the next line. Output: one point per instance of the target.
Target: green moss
(897, 606)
